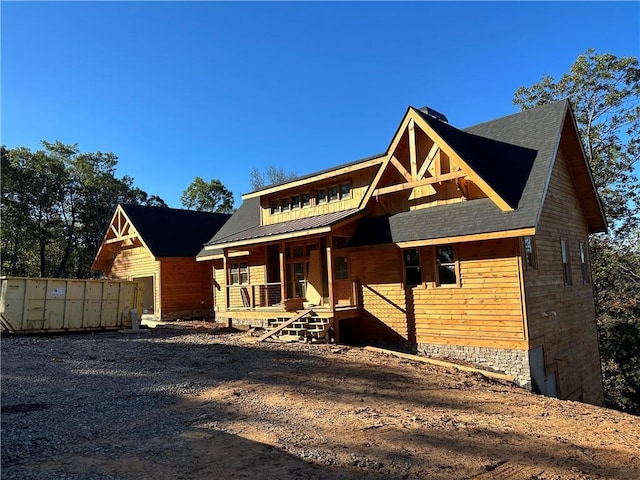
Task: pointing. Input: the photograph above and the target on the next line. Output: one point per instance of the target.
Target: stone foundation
(500, 360)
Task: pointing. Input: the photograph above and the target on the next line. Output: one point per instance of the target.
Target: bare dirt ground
(271, 410)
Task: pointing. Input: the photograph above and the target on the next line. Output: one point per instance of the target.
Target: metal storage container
(30, 305)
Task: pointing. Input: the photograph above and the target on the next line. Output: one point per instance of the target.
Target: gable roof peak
(434, 113)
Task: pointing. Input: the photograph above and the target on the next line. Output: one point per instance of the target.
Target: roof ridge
(511, 115)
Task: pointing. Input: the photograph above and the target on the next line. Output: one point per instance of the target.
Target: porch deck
(276, 311)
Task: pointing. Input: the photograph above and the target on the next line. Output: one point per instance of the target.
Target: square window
(295, 202)
(285, 204)
(305, 200)
(345, 191)
(333, 194)
(275, 206)
(321, 196)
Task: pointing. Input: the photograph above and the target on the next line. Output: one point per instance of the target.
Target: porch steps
(308, 329)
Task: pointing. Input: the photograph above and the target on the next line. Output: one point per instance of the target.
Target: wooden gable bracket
(444, 147)
(403, 171)
(421, 176)
(419, 183)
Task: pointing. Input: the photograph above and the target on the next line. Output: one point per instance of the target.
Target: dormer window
(321, 197)
(295, 202)
(305, 200)
(333, 194)
(275, 206)
(285, 205)
(345, 191)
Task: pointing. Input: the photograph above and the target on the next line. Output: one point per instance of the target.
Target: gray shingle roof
(513, 154)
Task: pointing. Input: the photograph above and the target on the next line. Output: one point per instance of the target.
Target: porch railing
(254, 295)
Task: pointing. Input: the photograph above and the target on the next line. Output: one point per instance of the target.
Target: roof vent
(434, 113)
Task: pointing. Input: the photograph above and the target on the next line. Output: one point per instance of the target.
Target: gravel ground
(73, 394)
(202, 403)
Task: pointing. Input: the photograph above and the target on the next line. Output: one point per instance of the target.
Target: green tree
(604, 91)
(271, 175)
(210, 196)
(56, 203)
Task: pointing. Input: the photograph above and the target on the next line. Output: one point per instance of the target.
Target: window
(447, 274)
(412, 272)
(285, 204)
(530, 260)
(239, 273)
(342, 270)
(333, 194)
(295, 202)
(345, 191)
(584, 262)
(275, 206)
(321, 197)
(566, 264)
(305, 200)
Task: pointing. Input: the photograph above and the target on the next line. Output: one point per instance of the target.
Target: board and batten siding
(359, 181)
(561, 317)
(135, 263)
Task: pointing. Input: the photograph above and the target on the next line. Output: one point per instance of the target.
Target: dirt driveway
(197, 403)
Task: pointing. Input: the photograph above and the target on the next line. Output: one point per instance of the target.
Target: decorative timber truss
(421, 168)
(121, 235)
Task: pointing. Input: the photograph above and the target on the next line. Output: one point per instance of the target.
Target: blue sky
(212, 89)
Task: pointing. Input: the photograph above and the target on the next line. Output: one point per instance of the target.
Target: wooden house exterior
(158, 246)
(467, 244)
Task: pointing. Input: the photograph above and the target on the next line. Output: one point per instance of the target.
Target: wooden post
(332, 304)
(226, 279)
(283, 285)
(412, 150)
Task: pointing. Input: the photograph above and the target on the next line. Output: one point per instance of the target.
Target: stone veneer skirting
(500, 360)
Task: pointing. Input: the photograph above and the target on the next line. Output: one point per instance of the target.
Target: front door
(297, 265)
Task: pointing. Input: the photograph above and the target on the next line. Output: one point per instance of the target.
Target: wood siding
(185, 287)
(135, 263)
(382, 296)
(485, 310)
(256, 272)
(562, 317)
(358, 180)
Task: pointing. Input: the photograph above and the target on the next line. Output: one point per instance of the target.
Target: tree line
(56, 203)
(604, 91)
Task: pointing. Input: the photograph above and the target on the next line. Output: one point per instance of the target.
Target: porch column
(226, 278)
(336, 324)
(283, 285)
(330, 272)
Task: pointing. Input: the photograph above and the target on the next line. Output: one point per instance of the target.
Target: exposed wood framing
(418, 183)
